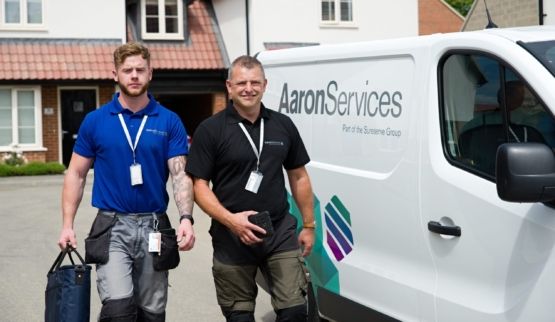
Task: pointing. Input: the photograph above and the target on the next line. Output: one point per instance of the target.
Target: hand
(243, 228)
(67, 236)
(185, 235)
(306, 240)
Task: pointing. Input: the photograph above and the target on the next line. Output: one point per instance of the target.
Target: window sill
(163, 37)
(337, 25)
(4, 149)
(23, 28)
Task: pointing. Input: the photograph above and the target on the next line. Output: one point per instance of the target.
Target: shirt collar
(233, 117)
(150, 109)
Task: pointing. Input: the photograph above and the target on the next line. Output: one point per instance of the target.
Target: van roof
(526, 34)
(395, 45)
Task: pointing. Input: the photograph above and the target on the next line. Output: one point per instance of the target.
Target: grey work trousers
(129, 271)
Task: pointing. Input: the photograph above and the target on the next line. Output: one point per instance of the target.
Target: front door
(75, 103)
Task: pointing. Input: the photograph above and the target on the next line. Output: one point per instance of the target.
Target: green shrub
(31, 169)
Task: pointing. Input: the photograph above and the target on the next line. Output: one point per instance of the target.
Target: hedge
(31, 169)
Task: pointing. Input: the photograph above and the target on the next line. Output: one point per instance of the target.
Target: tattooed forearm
(182, 185)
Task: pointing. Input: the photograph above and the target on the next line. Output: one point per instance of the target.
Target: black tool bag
(97, 244)
(168, 258)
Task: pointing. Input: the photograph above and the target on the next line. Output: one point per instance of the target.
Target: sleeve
(297, 155)
(177, 144)
(201, 159)
(84, 145)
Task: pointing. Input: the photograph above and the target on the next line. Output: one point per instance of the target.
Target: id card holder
(254, 181)
(154, 242)
(136, 174)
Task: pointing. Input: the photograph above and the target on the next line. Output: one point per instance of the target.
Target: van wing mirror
(525, 172)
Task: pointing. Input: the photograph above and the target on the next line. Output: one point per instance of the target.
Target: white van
(423, 213)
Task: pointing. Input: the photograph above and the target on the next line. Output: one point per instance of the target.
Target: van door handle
(438, 228)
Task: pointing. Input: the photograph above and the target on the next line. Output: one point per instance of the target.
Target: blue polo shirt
(102, 138)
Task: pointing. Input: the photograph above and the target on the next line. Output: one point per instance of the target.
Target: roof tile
(22, 59)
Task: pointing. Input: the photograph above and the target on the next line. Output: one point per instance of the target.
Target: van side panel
(358, 119)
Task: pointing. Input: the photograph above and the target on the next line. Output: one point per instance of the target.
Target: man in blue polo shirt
(135, 144)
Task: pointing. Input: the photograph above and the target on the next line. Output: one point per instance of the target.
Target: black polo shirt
(222, 154)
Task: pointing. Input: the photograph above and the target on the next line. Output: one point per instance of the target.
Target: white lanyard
(131, 145)
(259, 152)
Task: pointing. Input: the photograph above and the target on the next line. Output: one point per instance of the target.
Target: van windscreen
(544, 51)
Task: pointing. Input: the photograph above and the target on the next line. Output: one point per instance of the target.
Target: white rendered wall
(299, 21)
(86, 19)
(231, 19)
(549, 11)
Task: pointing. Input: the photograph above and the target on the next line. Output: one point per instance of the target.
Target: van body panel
(373, 116)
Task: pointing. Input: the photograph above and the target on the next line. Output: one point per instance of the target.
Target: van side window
(485, 104)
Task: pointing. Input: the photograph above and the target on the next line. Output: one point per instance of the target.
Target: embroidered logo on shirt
(273, 142)
(157, 132)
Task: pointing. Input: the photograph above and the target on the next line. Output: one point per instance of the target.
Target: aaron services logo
(336, 233)
(339, 236)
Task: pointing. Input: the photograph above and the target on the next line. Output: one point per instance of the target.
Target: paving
(30, 217)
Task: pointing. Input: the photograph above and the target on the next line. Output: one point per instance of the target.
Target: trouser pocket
(168, 258)
(97, 244)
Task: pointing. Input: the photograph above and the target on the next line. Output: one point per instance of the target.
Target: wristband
(309, 225)
(189, 217)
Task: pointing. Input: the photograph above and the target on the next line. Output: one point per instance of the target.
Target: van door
(491, 256)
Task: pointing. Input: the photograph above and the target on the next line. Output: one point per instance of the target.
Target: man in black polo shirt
(242, 151)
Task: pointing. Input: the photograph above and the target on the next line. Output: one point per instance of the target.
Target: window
(19, 117)
(22, 13)
(162, 19)
(337, 11)
(485, 104)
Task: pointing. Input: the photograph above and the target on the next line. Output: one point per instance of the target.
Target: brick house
(435, 16)
(56, 67)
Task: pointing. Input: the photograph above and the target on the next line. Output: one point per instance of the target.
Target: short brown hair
(130, 49)
(247, 62)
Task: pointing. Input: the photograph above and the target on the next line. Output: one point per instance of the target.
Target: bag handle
(68, 250)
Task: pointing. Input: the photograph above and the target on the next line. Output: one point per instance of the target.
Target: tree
(462, 6)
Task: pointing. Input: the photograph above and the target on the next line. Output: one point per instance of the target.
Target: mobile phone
(263, 220)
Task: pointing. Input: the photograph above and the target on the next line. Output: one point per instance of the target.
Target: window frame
(37, 145)
(23, 12)
(504, 65)
(162, 34)
(337, 22)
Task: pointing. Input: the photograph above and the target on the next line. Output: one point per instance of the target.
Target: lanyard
(259, 152)
(131, 145)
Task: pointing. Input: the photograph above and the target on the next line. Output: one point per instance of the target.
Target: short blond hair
(130, 49)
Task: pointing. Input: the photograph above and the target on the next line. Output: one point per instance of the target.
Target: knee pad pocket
(123, 310)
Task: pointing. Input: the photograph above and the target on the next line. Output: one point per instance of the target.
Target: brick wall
(38, 156)
(436, 16)
(50, 126)
(504, 13)
(219, 102)
(105, 93)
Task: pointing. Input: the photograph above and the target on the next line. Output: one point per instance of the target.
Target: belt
(132, 214)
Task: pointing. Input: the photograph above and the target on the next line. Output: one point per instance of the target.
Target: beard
(133, 93)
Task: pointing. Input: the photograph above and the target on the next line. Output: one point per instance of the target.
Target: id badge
(254, 181)
(136, 174)
(154, 242)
